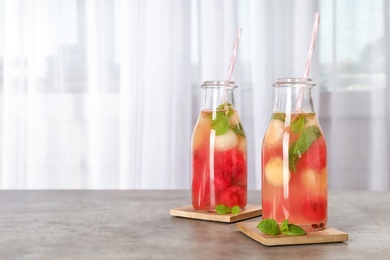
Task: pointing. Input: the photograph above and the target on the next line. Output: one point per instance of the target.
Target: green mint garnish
(279, 116)
(269, 227)
(297, 149)
(284, 225)
(221, 121)
(223, 209)
(298, 125)
(293, 158)
(239, 130)
(236, 210)
(294, 230)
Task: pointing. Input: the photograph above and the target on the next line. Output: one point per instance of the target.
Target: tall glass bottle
(294, 160)
(219, 154)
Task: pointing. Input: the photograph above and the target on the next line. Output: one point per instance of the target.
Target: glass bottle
(219, 153)
(294, 159)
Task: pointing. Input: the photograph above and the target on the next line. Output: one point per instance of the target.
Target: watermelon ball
(233, 196)
(229, 162)
(315, 157)
(221, 181)
(240, 177)
(315, 208)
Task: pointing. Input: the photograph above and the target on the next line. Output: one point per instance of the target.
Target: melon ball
(315, 180)
(274, 135)
(201, 133)
(275, 173)
(226, 141)
(234, 119)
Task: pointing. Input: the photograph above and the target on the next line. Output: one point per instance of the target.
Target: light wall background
(105, 94)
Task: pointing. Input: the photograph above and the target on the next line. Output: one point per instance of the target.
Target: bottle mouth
(292, 82)
(219, 84)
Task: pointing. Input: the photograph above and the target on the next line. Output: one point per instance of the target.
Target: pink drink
(219, 166)
(295, 171)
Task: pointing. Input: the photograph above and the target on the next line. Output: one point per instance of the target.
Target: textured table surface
(136, 224)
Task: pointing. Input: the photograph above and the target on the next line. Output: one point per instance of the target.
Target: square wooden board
(327, 235)
(250, 211)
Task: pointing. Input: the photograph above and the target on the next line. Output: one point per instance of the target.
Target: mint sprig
(294, 230)
(236, 210)
(297, 149)
(270, 227)
(223, 209)
(298, 124)
(221, 121)
(284, 225)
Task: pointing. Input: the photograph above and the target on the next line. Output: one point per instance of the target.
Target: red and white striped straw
(234, 54)
(306, 69)
(313, 39)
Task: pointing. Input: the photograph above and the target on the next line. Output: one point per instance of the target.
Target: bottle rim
(219, 84)
(292, 82)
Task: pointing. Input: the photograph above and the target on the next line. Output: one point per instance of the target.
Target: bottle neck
(217, 93)
(214, 97)
(293, 95)
(293, 100)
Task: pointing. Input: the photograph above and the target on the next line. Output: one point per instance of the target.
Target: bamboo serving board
(250, 211)
(327, 235)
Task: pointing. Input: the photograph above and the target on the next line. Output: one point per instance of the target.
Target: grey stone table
(136, 225)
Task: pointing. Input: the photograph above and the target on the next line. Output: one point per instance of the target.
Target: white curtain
(105, 94)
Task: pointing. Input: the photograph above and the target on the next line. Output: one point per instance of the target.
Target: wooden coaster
(250, 211)
(327, 235)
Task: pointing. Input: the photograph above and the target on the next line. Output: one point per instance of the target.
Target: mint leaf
(222, 209)
(294, 230)
(284, 226)
(269, 227)
(279, 116)
(236, 210)
(293, 158)
(307, 137)
(239, 130)
(221, 123)
(226, 107)
(298, 124)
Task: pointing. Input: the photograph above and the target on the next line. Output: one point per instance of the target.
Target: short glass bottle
(219, 153)
(294, 159)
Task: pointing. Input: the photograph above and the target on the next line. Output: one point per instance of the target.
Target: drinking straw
(234, 54)
(313, 39)
(306, 68)
(232, 61)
